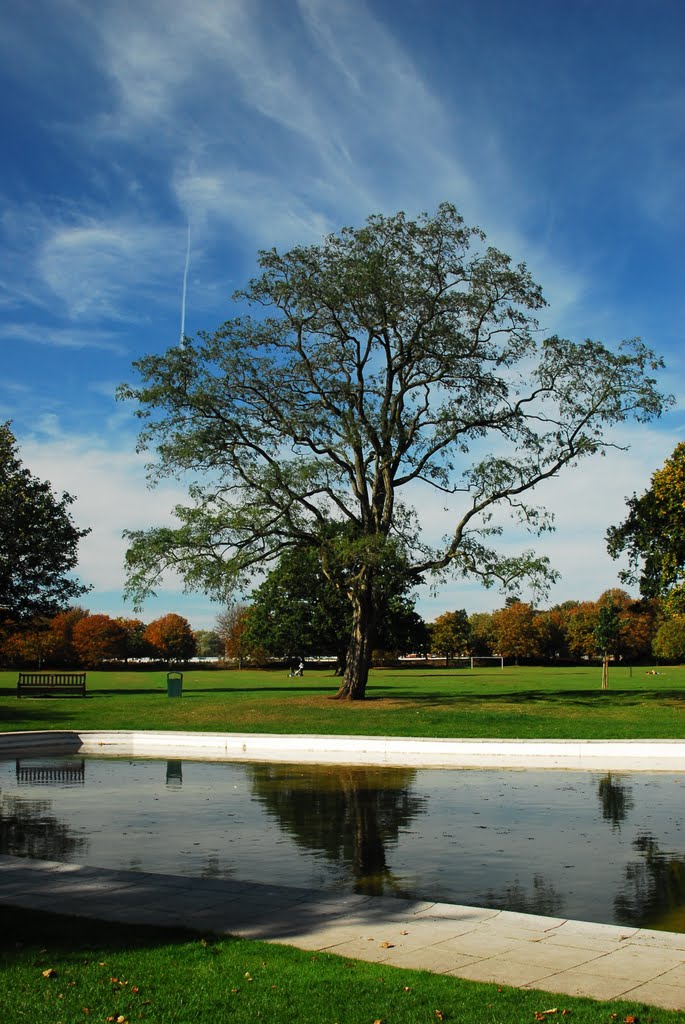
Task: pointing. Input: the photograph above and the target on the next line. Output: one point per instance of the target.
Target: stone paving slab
(527, 951)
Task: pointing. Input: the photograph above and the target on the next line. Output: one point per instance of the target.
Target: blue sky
(555, 125)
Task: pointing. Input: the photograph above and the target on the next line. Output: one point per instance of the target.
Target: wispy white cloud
(248, 201)
(61, 337)
(105, 268)
(109, 483)
(86, 265)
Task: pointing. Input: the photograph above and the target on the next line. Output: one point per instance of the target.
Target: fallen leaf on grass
(438, 1014)
(50, 973)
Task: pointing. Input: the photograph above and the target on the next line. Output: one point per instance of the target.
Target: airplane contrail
(185, 288)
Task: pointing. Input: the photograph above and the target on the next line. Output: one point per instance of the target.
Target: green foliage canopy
(38, 540)
(653, 535)
(450, 634)
(299, 610)
(395, 357)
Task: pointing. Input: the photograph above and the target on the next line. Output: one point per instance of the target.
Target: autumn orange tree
(514, 631)
(97, 639)
(233, 627)
(171, 637)
(34, 644)
(62, 628)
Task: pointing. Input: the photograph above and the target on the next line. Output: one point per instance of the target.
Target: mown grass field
(517, 702)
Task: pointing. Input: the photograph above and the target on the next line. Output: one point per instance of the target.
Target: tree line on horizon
(75, 637)
(615, 625)
(294, 615)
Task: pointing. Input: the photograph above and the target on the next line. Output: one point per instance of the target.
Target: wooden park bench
(57, 683)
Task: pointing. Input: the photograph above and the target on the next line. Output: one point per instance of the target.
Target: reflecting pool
(607, 847)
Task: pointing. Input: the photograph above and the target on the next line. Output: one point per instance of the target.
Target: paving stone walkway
(553, 954)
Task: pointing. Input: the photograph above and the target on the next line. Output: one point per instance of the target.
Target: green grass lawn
(106, 972)
(545, 703)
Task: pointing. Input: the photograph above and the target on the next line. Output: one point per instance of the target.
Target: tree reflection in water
(28, 829)
(654, 894)
(544, 899)
(615, 799)
(355, 815)
(351, 814)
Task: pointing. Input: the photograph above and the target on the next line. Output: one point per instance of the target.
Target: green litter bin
(174, 684)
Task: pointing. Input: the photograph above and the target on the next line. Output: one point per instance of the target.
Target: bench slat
(51, 682)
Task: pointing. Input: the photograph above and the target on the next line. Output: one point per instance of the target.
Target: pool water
(594, 846)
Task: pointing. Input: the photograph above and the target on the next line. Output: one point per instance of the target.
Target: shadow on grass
(27, 930)
(626, 698)
(264, 910)
(190, 690)
(23, 714)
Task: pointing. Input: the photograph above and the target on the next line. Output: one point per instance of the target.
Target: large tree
(38, 540)
(653, 535)
(391, 362)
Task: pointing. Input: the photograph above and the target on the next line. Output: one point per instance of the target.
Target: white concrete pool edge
(394, 751)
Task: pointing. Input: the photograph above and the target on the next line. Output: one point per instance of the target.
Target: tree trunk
(353, 685)
(605, 672)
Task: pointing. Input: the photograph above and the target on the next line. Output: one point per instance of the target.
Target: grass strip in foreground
(60, 970)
